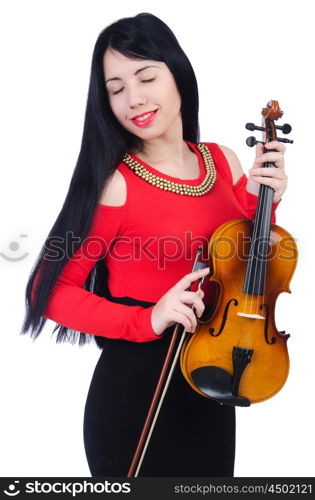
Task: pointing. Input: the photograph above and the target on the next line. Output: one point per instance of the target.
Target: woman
(143, 196)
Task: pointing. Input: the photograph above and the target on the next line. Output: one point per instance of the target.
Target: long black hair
(104, 142)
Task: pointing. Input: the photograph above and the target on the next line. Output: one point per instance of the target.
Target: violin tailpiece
(241, 357)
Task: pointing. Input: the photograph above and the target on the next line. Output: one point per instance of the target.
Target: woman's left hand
(273, 177)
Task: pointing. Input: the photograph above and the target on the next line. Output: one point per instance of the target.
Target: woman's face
(142, 87)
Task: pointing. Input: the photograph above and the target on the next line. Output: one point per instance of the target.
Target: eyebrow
(135, 73)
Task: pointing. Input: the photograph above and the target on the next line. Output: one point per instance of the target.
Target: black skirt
(193, 436)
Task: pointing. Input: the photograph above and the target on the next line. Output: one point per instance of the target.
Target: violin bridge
(253, 316)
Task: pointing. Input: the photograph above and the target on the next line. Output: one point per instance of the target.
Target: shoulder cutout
(115, 191)
(234, 163)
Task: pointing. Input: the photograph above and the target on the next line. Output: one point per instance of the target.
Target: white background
(244, 54)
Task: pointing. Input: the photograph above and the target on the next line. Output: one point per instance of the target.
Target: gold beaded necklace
(176, 187)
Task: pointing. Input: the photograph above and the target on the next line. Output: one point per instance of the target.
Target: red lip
(145, 113)
(146, 121)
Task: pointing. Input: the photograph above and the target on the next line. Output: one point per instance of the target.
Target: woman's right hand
(172, 308)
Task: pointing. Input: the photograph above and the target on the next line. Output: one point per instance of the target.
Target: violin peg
(252, 141)
(285, 128)
(283, 139)
(252, 126)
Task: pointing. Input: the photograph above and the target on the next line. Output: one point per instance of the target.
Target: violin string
(267, 213)
(265, 246)
(264, 232)
(255, 267)
(252, 266)
(268, 220)
(254, 256)
(250, 263)
(265, 243)
(264, 256)
(269, 194)
(256, 244)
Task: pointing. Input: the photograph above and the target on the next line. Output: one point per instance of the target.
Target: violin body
(242, 320)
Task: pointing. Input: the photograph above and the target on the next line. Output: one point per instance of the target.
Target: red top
(148, 244)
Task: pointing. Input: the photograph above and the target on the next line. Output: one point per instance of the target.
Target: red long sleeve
(78, 309)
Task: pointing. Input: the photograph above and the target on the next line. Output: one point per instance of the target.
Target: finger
(193, 298)
(273, 172)
(279, 146)
(276, 184)
(181, 318)
(188, 313)
(189, 296)
(186, 281)
(273, 157)
(259, 149)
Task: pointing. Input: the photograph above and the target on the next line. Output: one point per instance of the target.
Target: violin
(238, 357)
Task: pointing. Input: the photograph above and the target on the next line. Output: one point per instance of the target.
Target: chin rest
(217, 384)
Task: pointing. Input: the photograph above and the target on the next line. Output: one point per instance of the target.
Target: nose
(136, 97)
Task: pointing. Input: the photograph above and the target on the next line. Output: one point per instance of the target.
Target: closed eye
(143, 81)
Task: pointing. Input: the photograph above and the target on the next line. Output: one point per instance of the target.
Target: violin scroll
(270, 114)
(272, 111)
